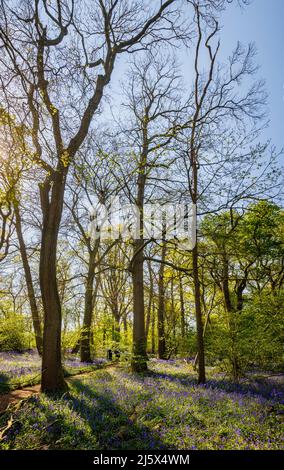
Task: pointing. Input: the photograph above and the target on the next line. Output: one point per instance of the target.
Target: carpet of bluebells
(112, 408)
(20, 369)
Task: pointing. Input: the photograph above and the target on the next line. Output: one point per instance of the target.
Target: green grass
(19, 370)
(34, 379)
(165, 409)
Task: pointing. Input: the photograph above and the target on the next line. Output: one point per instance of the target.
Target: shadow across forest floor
(255, 386)
(116, 409)
(4, 382)
(114, 429)
(82, 418)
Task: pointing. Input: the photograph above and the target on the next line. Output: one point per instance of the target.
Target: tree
(116, 288)
(14, 168)
(40, 61)
(216, 133)
(239, 244)
(29, 280)
(161, 305)
(6, 219)
(154, 106)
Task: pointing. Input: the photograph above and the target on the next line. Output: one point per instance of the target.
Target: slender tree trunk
(161, 307)
(117, 331)
(52, 372)
(148, 320)
(153, 346)
(29, 281)
(125, 324)
(240, 292)
(174, 322)
(226, 289)
(85, 349)
(139, 360)
(76, 347)
(198, 316)
(116, 317)
(204, 332)
(231, 321)
(195, 261)
(182, 310)
(150, 302)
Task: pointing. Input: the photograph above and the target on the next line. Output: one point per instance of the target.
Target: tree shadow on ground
(4, 383)
(101, 424)
(257, 387)
(113, 428)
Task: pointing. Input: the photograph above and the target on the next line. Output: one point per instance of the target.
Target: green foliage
(262, 331)
(257, 338)
(70, 338)
(245, 256)
(14, 333)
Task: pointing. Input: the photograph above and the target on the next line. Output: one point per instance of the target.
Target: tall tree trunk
(204, 332)
(116, 330)
(225, 286)
(76, 347)
(150, 302)
(153, 346)
(182, 310)
(104, 336)
(174, 322)
(195, 260)
(231, 321)
(85, 349)
(125, 329)
(29, 281)
(148, 320)
(139, 360)
(52, 373)
(198, 316)
(116, 319)
(161, 307)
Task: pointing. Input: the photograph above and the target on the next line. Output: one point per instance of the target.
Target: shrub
(14, 333)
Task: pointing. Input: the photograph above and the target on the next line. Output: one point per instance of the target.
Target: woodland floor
(112, 408)
(18, 370)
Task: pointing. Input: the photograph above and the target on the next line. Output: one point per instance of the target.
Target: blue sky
(262, 22)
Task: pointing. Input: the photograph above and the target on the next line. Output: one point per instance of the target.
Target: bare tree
(60, 56)
(217, 109)
(14, 170)
(155, 111)
(89, 188)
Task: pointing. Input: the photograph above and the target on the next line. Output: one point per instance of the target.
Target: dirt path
(15, 396)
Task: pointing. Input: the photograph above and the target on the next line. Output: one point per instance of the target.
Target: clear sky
(262, 22)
